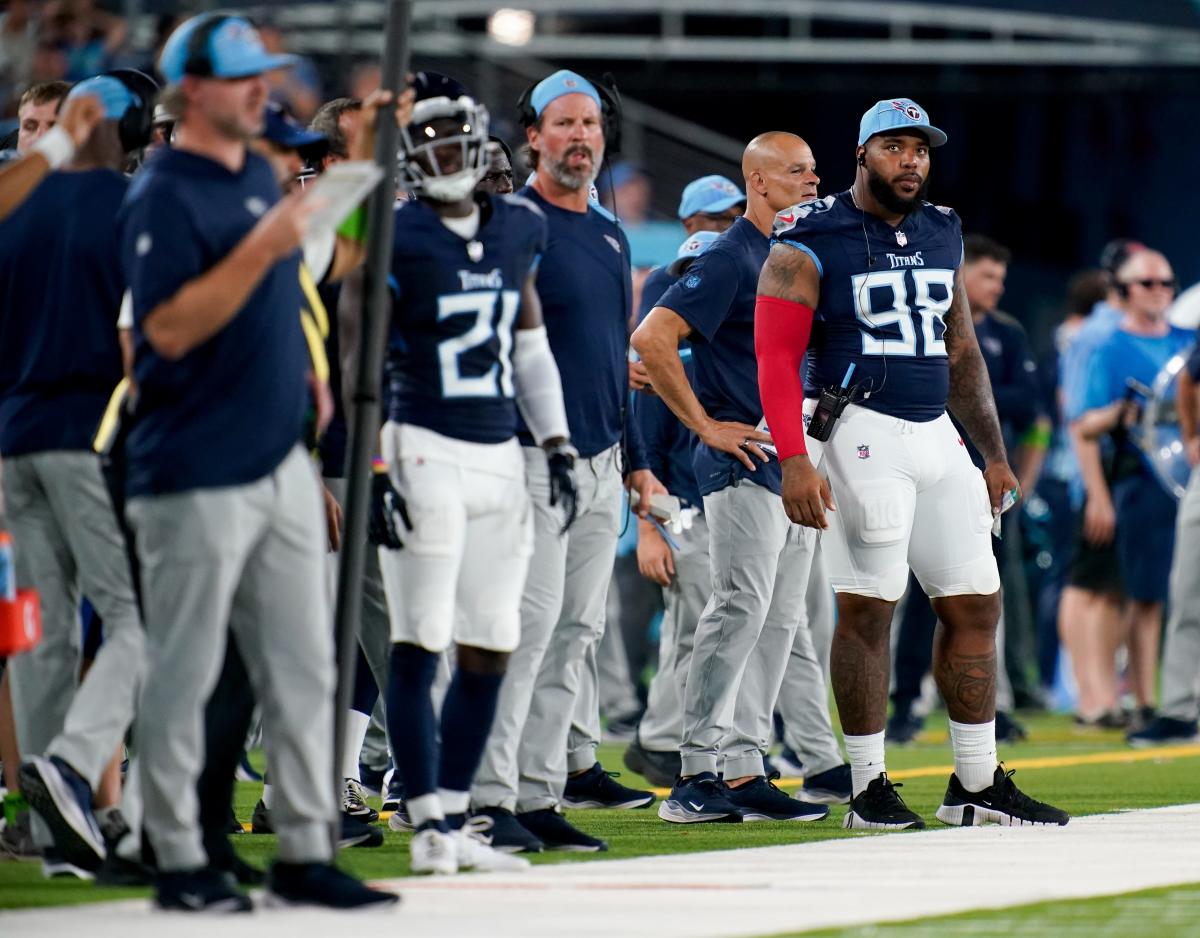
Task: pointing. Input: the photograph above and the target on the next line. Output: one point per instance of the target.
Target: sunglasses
(1151, 284)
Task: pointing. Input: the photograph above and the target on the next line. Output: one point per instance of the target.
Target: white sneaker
(434, 852)
(475, 852)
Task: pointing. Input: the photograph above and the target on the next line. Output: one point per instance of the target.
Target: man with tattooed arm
(871, 276)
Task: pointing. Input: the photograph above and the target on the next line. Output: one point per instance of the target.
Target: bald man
(759, 562)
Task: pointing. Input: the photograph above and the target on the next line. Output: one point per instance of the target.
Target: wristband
(355, 225)
(378, 466)
(56, 146)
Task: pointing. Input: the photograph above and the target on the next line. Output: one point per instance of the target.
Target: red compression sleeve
(781, 330)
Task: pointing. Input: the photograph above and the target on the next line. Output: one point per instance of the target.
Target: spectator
(18, 43)
(338, 121)
(38, 112)
(89, 38)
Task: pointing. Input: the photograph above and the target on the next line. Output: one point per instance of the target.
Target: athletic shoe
(433, 851)
(788, 764)
(393, 787)
(622, 728)
(118, 871)
(354, 803)
(879, 807)
(242, 872)
(761, 800)
(203, 890)
(833, 786)
(699, 799)
(357, 834)
(400, 821)
(260, 820)
(64, 800)
(903, 726)
(1140, 719)
(1000, 803)
(233, 825)
(655, 766)
(596, 788)
(322, 884)
(474, 850)
(1109, 720)
(1008, 730)
(56, 866)
(1164, 731)
(508, 834)
(372, 780)
(16, 839)
(245, 772)
(556, 833)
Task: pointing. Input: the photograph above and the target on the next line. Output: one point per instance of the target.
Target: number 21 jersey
(884, 294)
(455, 307)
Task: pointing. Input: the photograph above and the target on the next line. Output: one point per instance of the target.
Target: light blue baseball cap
(709, 194)
(897, 114)
(561, 83)
(217, 45)
(112, 93)
(693, 246)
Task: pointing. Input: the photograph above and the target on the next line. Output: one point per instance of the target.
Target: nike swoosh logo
(695, 807)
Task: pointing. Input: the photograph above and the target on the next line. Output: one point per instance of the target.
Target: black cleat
(655, 766)
(204, 890)
(357, 834)
(1000, 803)
(260, 820)
(322, 884)
(879, 807)
(556, 833)
(833, 786)
(508, 834)
(760, 800)
(596, 788)
(354, 803)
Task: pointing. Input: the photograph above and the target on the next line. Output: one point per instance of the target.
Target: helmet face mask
(443, 152)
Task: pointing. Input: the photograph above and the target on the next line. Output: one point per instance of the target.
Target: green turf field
(1092, 782)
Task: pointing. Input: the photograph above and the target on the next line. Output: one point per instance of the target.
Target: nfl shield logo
(901, 238)
(864, 451)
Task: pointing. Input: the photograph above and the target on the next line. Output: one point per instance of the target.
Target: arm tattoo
(790, 274)
(968, 685)
(970, 398)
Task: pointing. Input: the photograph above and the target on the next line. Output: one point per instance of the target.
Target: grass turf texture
(1081, 789)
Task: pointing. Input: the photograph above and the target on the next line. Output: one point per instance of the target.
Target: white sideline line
(723, 894)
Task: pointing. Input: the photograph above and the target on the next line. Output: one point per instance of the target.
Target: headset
(610, 110)
(135, 124)
(199, 56)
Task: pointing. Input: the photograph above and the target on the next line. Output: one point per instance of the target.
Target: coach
(224, 502)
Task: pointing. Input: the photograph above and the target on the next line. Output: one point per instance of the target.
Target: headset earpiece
(135, 126)
(862, 159)
(610, 111)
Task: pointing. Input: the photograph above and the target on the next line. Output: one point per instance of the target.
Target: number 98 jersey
(455, 305)
(884, 294)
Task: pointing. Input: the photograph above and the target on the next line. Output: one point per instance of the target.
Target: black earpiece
(862, 159)
(135, 125)
(610, 111)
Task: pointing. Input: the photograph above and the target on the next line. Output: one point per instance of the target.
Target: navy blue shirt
(586, 288)
(230, 410)
(1013, 376)
(657, 282)
(887, 317)
(60, 292)
(716, 298)
(449, 364)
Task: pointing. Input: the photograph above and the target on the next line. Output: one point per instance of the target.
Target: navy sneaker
(596, 788)
(322, 884)
(761, 800)
(788, 763)
(655, 766)
(357, 834)
(393, 797)
(1000, 803)
(879, 807)
(204, 890)
(903, 726)
(1008, 730)
(556, 833)
(56, 866)
(64, 800)
(699, 799)
(1164, 731)
(833, 786)
(508, 834)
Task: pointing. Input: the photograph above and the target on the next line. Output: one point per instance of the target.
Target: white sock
(268, 792)
(866, 759)
(974, 746)
(425, 808)
(454, 802)
(356, 732)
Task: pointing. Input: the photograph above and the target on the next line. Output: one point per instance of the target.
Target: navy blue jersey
(60, 292)
(716, 298)
(884, 317)
(230, 410)
(586, 288)
(449, 362)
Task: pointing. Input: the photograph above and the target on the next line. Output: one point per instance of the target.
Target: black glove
(386, 513)
(561, 461)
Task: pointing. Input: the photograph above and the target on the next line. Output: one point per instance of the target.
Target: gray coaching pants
(550, 692)
(68, 544)
(1181, 654)
(760, 565)
(248, 558)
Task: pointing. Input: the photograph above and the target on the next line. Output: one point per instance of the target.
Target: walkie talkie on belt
(830, 405)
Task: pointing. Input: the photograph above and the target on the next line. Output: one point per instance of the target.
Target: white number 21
(497, 380)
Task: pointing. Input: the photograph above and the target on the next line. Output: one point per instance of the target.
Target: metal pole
(366, 417)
